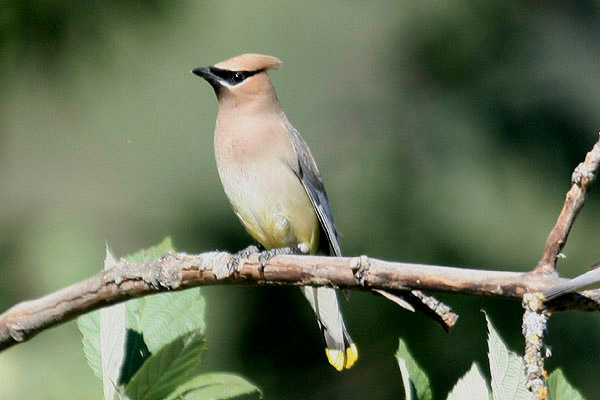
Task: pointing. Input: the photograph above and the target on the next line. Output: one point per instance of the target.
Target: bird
(273, 184)
(587, 280)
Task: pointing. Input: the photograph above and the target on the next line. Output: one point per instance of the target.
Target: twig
(583, 176)
(535, 317)
(415, 300)
(180, 271)
(535, 320)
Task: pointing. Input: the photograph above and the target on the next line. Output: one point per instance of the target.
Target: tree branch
(535, 321)
(180, 271)
(584, 175)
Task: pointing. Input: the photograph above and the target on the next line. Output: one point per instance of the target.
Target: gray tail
(584, 281)
(339, 346)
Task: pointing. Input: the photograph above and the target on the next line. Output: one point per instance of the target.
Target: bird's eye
(238, 77)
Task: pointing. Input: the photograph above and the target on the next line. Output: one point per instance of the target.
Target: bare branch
(535, 321)
(583, 176)
(180, 271)
(535, 316)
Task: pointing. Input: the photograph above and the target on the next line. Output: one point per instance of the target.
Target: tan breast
(255, 160)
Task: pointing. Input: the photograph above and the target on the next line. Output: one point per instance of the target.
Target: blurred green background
(446, 134)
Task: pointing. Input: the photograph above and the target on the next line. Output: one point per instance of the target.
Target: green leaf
(136, 350)
(112, 340)
(89, 326)
(216, 386)
(416, 383)
(168, 325)
(507, 369)
(167, 316)
(123, 396)
(471, 386)
(158, 320)
(560, 389)
(168, 368)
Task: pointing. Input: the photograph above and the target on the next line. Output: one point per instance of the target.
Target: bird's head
(243, 76)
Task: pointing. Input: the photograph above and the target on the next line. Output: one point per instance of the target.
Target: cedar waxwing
(273, 183)
(587, 280)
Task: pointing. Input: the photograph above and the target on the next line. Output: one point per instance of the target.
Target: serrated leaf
(112, 340)
(112, 346)
(157, 320)
(471, 386)
(167, 316)
(416, 383)
(135, 306)
(89, 326)
(136, 350)
(560, 389)
(507, 369)
(168, 368)
(409, 389)
(216, 386)
(123, 396)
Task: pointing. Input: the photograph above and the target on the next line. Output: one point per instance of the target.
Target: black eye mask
(233, 77)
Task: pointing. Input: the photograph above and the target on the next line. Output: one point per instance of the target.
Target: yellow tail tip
(351, 355)
(342, 359)
(336, 358)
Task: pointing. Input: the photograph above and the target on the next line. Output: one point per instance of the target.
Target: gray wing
(341, 350)
(309, 175)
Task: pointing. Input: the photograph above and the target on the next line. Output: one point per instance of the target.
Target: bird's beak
(205, 72)
(202, 72)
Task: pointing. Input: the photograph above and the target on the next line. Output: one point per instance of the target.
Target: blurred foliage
(44, 31)
(446, 133)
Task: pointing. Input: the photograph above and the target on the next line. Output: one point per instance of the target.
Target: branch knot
(360, 266)
(582, 176)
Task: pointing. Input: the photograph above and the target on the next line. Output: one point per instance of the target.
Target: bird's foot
(266, 255)
(233, 265)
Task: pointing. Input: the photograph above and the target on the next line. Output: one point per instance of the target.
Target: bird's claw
(233, 265)
(266, 255)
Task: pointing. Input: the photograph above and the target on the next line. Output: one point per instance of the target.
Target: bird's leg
(265, 256)
(233, 265)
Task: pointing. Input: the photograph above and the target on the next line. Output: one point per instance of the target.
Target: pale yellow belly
(273, 207)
